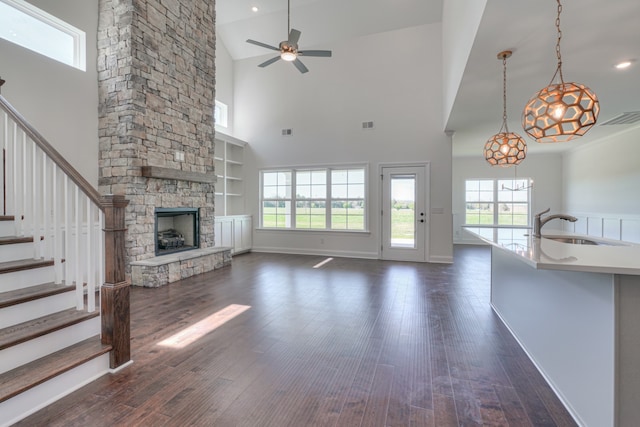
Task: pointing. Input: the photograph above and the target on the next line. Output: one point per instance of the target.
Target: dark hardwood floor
(353, 343)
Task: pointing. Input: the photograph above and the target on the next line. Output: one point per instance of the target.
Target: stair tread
(22, 332)
(32, 293)
(11, 240)
(34, 373)
(24, 264)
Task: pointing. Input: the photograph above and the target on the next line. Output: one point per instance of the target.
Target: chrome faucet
(539, 222)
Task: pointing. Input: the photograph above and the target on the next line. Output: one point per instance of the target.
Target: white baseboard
(439, 259)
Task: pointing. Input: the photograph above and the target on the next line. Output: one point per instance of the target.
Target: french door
(404, 217)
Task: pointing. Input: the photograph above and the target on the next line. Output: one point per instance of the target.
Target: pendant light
(505, 148)
(561, 111)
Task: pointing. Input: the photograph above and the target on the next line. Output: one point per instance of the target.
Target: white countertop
(543, 253)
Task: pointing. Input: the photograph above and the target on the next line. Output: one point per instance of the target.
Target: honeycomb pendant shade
(561, 111)
(505, 148)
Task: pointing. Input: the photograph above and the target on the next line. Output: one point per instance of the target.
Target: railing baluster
(5, 150)
(35, 214)
(57, 224)
(46, 246)
(24, 176)
(77, 252)
(91, 276)
(16, 175)
(66, 214)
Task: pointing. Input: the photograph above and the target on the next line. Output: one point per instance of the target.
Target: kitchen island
(575, 310)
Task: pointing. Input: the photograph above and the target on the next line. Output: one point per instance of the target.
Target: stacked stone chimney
(156, 87)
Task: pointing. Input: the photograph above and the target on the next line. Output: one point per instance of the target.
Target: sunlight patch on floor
(320, 264)
(203, 327)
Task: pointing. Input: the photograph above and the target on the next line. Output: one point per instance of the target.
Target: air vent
(367, 125)
(623, 119)
(287, 132)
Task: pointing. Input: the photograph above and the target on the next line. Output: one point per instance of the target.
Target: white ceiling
(597, 34)
(323, 22)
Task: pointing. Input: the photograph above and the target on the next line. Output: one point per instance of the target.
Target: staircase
(55, 262)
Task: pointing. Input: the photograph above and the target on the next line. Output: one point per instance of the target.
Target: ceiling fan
(289, 48)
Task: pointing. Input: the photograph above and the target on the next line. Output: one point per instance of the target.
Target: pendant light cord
(504, 55)
(558, 54)
(504, 93)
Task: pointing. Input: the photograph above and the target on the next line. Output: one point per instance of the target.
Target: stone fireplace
(156, 91)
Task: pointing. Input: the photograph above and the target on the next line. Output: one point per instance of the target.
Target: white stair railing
(60, 210)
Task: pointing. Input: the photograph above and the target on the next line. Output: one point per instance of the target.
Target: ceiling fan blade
(323, 53)
(294, 36)
(300, 66)
(263, 45)
(269, 62)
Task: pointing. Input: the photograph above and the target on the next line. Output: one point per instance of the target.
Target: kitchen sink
(580, 241)
(573, 240)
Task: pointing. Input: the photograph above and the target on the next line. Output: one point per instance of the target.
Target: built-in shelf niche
(229, 169)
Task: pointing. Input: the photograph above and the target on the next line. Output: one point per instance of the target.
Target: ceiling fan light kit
(561, 111)
(505, 148)
(289, 48)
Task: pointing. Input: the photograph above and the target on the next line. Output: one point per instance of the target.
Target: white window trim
(495, 202)
(328, 168)
(79, 36)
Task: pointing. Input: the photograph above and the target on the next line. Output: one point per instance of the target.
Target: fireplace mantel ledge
(168, 173)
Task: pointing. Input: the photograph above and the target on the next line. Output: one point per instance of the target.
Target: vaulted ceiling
(596, 35)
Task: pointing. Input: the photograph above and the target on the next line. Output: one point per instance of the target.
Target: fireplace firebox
(177, 230)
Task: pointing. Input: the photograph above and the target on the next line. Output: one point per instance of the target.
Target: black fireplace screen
(176, 230)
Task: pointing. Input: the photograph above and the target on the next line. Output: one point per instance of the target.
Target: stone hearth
(165, 269)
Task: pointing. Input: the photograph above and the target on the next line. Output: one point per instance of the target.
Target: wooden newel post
(115, 291)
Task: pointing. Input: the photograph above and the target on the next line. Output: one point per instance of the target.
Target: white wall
(602, 186)
(60, 101)
(544, 169)
(224, 83)
(393, 79)
(457, 44)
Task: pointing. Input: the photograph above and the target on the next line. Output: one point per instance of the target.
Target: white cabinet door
(224, 232)
(242, 233)
(234, 232)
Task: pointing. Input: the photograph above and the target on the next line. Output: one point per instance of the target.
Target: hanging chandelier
(505, 148)
(561, 111)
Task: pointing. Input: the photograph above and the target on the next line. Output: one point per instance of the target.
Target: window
(502, 202)
(220, 114)
(276, 199)
(324, 199)
(34, 29)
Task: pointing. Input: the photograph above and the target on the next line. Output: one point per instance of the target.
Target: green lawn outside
(503, 219)
(314, 218)
(403, 224)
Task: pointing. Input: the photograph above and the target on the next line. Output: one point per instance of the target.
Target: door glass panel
(403, 213)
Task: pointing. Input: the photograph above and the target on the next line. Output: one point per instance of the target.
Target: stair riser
(7, 228)
(34, 309)
(24, 279)
(17, 355)
(36, 398)
(16, 251)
